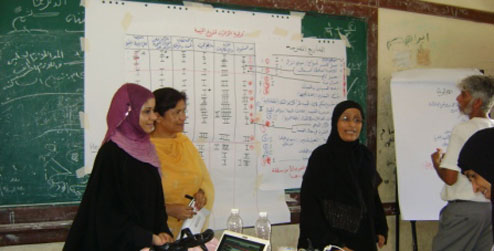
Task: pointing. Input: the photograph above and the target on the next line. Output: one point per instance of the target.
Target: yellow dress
(182, 172)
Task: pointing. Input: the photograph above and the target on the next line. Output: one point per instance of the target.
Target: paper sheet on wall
(424, 113)
(235, 124)
(108, 25)
(300, 83)
(236, 74)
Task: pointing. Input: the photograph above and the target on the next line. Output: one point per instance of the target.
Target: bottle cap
(234, 211)
(263, 214)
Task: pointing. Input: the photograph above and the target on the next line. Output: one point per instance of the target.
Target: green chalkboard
(41, 95)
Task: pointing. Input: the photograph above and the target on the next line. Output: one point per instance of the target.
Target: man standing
(465, 222)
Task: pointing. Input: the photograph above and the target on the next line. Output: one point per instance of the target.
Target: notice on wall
(424, 113)
(259, 98)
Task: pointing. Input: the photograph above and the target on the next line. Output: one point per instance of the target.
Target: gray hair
(480, 87)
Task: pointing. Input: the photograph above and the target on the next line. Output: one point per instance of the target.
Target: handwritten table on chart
(248, 116)
(256, 108)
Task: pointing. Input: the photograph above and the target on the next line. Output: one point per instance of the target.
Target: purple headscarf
(123, 123)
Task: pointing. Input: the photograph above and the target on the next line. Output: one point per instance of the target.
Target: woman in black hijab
(476, 161)
(340, 204)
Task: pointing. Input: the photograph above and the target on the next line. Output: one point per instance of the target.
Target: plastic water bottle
(263, 228)
(234, 222)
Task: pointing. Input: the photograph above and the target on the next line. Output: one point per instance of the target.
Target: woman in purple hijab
(123, 205)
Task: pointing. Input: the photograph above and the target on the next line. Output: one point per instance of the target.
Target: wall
(484, 5)
(409, 40)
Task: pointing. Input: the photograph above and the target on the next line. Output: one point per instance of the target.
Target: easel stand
(397, 226)
(414, 236)
(397, 216)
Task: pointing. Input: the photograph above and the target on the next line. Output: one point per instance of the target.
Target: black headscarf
(347, 158)
(477, 154)
(334, 137)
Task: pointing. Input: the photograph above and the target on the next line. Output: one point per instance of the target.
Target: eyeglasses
(345, 118)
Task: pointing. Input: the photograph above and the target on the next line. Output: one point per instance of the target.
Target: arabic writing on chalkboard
(40, 100)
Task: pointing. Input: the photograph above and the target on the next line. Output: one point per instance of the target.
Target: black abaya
(122, 207)
(332, 212)
(340, 204)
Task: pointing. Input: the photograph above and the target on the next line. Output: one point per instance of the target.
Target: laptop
(233, 241)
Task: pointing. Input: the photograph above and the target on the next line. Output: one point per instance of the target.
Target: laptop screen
(240, 242)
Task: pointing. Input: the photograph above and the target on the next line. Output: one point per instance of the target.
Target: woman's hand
(380, 240)
(347, 249)
(200, 198)
(180, 211)
(161, 239)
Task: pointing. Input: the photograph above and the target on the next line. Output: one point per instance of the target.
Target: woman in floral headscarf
(122, 207)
